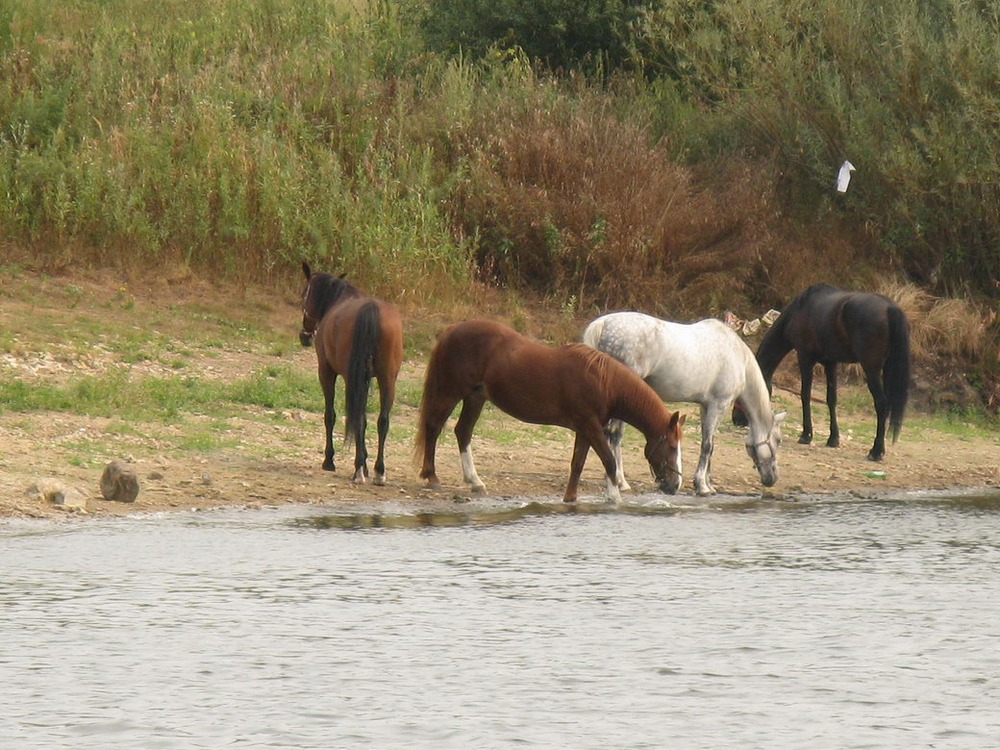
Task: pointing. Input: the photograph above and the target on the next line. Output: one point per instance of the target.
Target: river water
(820, 623)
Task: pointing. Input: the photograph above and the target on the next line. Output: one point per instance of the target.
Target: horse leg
(711, 413)
(881, 412)
(472, 407)
(806, 377)
(328, 379)
(434, 415)
(614, 431)
(360, 455)
(386, 396)
(586, 437)
(831, 403)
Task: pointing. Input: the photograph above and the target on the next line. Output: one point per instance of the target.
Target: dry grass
(581, 205)
(942, 327)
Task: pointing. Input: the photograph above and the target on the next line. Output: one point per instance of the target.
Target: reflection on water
(738, 622)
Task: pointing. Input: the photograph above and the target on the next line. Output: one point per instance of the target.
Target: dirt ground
(279, 462)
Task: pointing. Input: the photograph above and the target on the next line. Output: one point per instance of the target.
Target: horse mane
(593, 360)
(332, 289)
(636, 402)
(756, 396)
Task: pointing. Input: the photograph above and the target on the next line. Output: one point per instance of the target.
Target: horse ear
(343, 275)
(306, 270)
(780, 417)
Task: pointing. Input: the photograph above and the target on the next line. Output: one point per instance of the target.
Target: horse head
(321, 292)
(764, 453)
(664, 455)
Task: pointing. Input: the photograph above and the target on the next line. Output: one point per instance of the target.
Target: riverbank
(74, 336)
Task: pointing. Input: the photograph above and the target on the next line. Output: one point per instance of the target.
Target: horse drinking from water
(826, 325)
(356, 337)
(706, 363)
(570, 386)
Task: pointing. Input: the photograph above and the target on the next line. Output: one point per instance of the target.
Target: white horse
(706, 363)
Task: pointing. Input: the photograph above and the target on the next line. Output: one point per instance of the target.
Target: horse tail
(592, 333)
(364, 347)
(896, 371)
(430, 387)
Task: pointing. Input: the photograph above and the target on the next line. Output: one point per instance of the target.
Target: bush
(906, 91)
(559, 34)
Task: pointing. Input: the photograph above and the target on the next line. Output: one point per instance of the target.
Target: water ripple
(733, 622)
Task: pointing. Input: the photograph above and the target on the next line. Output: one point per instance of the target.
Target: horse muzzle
(669, 484)
(306, 338)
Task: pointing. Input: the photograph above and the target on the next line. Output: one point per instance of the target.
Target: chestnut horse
(356, 337)
(826, 325)
(572, 386)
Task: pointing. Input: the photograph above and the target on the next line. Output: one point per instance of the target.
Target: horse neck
(773, 349)
(640, 407)
(756, 400)
(328, 299)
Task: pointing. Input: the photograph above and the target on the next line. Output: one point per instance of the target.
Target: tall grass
(239, 135)
(906, 91)
(245, 135)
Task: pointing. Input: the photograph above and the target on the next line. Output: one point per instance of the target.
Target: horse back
(865, 325)
(335, 333)
(528, 380)
(389, 357)
(832, 325)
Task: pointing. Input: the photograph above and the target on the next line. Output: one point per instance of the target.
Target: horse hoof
(479, 489)
(833, 443)
(805, 440)
(873, 456)
(434, 486)
(328, 466)
(379, 480)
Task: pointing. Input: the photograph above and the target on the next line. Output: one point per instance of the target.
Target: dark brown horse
(826, 325)
(571, 386)
(356, 337)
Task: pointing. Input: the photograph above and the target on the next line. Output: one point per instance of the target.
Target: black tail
(430, 388)
(359, 372)
(896, 371)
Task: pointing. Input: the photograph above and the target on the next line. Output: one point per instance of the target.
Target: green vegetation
(154, 398)
(677, 155)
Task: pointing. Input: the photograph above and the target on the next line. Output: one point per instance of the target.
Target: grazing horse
(706, 363)
(569, 386)
(356, 337)
(826, 325)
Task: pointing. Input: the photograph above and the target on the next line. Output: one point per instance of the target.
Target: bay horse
(705, 363)
(356, 337)
(570, 386)
(827, 325)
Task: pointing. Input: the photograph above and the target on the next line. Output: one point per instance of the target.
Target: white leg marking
(469, 471)
(614, 495)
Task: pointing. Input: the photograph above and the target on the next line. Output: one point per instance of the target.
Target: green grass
(156, 398)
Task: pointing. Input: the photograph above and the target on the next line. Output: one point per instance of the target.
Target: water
(748, 624)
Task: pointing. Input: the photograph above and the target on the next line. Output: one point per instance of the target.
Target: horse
(827, 325)
(569, 386)
(706, 363)
(356, 337)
